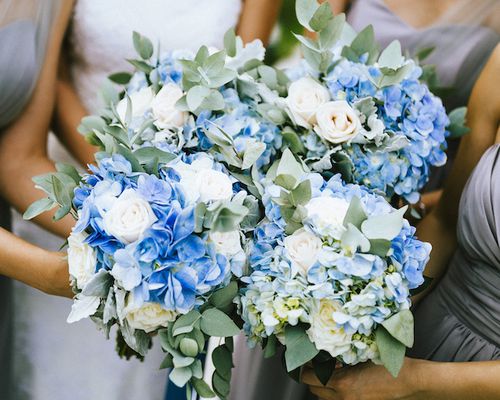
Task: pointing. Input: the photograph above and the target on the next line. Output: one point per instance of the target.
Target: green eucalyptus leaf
(380, 247)
(321, 17)
(99, 284)
(90, 123)
(271, 347)
(391, 77)
(386, 226)
(196, 95)
(167, 362)
(189, 347)
(220, 385)
(401, 327)
(253, 151)
(228, 217)
(392, 351)
(145, 154)
(332, 32)
(141, 66)
(225, 296)
(299, 348)
(216, 323)
(70, 171)
(305, 10)
(213, 64)
(423, 53)
(301, 194)
(38, 207)
(142, 45)
(185, 323)
(391, 57)
(122, 78)
(202, 388)
(223, 360)
(293, 141)
(180, 376)
(230, 42)
(457, 127)
(355, 214)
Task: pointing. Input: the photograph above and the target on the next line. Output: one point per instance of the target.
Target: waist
(471, 291)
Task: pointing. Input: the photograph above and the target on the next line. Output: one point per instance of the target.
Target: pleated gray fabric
(460, 319)
(24, 32)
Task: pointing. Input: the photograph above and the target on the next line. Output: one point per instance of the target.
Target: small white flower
(81, 259)
(326, 215)
(140, 101)
(226, 243)
(305, 95)
(325, 332)
(303, 248)
(164, 110)
(337, 122)
(148, 316)
(129, 217)
(214, 185)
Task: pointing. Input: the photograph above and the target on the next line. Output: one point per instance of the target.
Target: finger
(325, 394)
(309, 377)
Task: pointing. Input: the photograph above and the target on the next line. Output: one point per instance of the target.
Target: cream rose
(303, 248)
(325, 332)
(149, 317)
(140, 100)
(304, 97)
(337, 122)
(129, 217)
(164, 110)
(226, 243)
(214, 185)
(326, 214)
(81, 259)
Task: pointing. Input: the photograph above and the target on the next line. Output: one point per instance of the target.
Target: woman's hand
(369, 382)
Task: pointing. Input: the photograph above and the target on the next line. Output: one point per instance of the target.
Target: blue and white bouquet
(354, 110)
(186, 102)
(332, 267)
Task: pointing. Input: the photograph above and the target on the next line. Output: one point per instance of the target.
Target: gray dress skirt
(25, 27)
(460, 319)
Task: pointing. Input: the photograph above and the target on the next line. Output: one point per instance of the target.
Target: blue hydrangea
(367, 288)
(163, 257)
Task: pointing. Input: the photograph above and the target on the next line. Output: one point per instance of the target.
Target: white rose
(303, 248)
(305, 95)
(81, 259)
(129, 217)
(149, 317)
(140, 100)
(337, 122)
(226, 243)
(164, 110)
(326, 214)
(325, 332)
(214, 185)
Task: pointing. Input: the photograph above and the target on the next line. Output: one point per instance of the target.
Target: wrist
(422, 377)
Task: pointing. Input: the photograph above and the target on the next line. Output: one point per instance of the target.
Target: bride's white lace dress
(57, 361)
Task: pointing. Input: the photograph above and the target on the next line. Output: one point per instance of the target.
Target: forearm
(257, 19)
(69, 112)
(38, 268)
(459, 381)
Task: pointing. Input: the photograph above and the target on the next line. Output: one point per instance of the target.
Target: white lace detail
(102, 34)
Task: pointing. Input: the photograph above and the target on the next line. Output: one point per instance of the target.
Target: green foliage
(400, 326)
(142, 45)
(299, 348)
(457, 127)
(392, 351)
(216, 323)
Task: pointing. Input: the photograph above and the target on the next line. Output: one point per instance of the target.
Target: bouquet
(354, 110)
(229, 195)
(332, 268)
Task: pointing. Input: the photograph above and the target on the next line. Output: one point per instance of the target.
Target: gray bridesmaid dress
(460, 319)
(24, 31)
